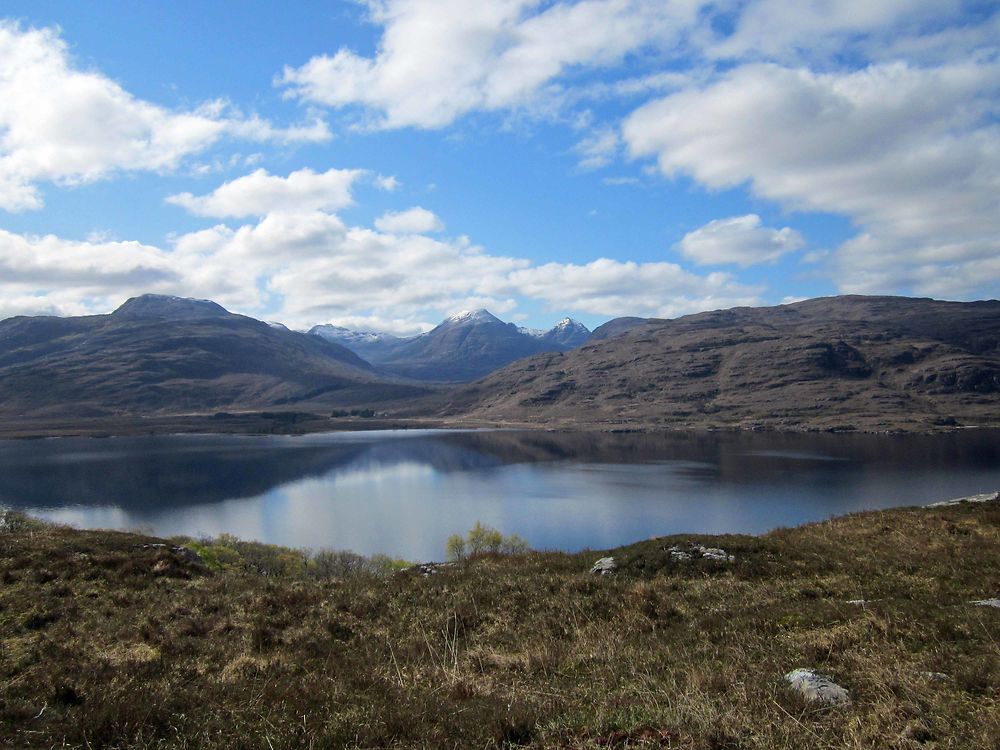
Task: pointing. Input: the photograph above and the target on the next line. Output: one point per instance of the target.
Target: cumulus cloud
(259, 193)
(439, 60)
(614, 288)
(911, 155)
(416, 220)
(69, 126)
(49, 275)
(308, 267)
(742, 240)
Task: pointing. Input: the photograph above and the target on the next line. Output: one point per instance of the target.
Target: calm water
(404, 492)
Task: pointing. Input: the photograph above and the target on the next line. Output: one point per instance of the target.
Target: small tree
(514, 545)
(454, 548)
(483, 540)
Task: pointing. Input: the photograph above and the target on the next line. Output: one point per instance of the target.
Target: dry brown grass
(109, 644)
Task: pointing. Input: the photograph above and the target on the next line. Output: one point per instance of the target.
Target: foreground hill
(126, 641)
(462, 348)
(839, 362)
(168, 354)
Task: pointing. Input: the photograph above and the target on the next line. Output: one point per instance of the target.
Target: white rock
(816, 687)
(987, 603)
(986, 497)
(604, 566)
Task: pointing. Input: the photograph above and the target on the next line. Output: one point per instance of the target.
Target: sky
(384, 164)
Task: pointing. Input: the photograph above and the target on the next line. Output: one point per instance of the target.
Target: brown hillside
(869, 363)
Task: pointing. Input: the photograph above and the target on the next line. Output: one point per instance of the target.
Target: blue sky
(382, 165)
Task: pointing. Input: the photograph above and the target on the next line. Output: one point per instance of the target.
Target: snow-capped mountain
(471, 318)
(465, 346)
(368, 345)
(567, 333)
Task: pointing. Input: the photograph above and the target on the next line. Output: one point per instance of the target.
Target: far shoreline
(287, 422)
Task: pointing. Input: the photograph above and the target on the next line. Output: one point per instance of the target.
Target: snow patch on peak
(569, 323)
(473, 316)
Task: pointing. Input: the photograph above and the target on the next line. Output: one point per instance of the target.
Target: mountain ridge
(873, 363)
(158, 354)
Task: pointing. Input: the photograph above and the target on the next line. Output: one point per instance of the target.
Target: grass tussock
(109, 640)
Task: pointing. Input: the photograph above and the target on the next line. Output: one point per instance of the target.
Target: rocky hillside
(870, 363)
(160, 354)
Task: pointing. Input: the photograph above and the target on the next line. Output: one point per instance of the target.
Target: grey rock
(187, 555)
(986, 497)
(986, 603)
(936, 676)
(430, 569)
(817, 688)
(696, 550)
(604, 566)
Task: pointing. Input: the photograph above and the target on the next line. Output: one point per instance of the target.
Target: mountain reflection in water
(404, 492)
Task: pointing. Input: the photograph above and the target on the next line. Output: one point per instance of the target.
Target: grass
(109, 643)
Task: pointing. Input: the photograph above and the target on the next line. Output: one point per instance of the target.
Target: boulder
(817, 688)
(986, 603)
(604, 566)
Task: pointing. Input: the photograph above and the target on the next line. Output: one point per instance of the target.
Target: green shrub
(484, 540)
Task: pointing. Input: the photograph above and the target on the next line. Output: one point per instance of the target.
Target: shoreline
(279, 422)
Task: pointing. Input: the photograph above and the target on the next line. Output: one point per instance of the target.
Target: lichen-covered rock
(817, 688)
(698, 551)
(604, 566)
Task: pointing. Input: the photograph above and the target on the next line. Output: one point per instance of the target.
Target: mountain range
(159, 354)
(464, 347)
(873, 363)
(853, 362)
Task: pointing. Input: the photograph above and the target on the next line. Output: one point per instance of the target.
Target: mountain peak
(566, 323)
(473, 317)
(567, 333)
(166, 306)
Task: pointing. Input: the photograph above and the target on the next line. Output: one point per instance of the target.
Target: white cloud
(69, 126)
(599, 148)
(441, 59)
(911, 155)
(615, 288)
(388, 183)
(50, 275)
(819, 29)
(742, 240)
(259, 193)
(416, 220)
(308, 267)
